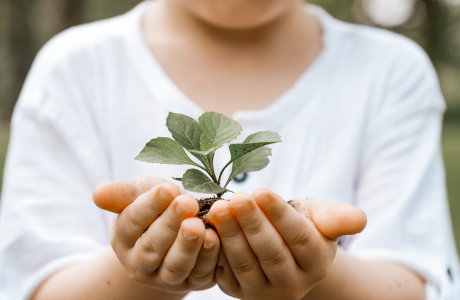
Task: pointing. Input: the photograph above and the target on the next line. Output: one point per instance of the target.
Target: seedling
(202, 139)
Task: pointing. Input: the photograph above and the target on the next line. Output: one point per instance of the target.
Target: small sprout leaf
(207, 147)
(253, 142)
(251, 162)
(165, 151)
(195, 181)
(219, 128)
(263, 137)
(185, 130)
(178, 179)
(205, 153)
(206, 143)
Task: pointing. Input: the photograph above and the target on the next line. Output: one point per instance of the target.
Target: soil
(205, 205)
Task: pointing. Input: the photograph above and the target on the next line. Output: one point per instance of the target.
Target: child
(359, 111)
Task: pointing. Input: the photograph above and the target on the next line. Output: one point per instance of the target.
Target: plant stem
(205, 169)
(228, 181)
(221, 194)
(222, 172)
(211, 161)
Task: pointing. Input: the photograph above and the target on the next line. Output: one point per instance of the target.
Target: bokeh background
(25, 25)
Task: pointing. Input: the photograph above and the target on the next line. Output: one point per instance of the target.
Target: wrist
(354, 278)
(338, 278)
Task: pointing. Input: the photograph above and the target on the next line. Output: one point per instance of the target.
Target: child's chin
(238, 14)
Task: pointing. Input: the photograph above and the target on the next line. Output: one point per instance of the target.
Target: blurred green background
(25, 25)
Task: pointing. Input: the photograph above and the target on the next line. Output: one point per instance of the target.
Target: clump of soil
(205, 205)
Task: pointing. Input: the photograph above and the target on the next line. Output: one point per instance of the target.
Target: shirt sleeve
(55, 159)
(400, 185)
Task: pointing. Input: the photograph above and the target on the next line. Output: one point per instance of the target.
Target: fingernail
(208, 245)
(164, 195)
(182, 210)
(188, 236)
(223, 217)
(243, 208)
(264, 201)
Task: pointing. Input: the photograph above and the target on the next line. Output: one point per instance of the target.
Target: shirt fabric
(360, 126)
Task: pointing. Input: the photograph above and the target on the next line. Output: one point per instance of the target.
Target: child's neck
(228, 70)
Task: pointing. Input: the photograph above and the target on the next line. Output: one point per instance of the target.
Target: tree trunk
(21, 42)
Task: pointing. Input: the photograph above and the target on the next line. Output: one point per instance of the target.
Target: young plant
(202, 139)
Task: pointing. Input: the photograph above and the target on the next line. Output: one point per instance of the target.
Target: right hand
(157, 239)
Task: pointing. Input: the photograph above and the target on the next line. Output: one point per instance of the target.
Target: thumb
(332, 220)
(115, 196)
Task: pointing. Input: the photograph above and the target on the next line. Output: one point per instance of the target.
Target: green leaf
(263, 137)
(253, 142)
(251, 162)
(206, 143)
(207, 147)
(178, 179)
(185, 130)
(219, 128)
(195, 181)
(164, 150)
(205, 153)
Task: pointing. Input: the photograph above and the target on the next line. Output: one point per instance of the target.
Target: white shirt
(361, 126)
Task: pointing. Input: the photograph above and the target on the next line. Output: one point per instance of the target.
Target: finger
(332, 220)
(225, 278)
(182, 256)
(115, 196)
(273, 255)
(133, 221)
(299, 233)
(152, 246)
(204, 269)
(236, 248)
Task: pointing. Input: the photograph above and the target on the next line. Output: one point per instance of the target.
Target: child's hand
(175, 253)
(275, 252)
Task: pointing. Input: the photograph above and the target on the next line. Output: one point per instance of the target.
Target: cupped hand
(156, 237)
(273, 251)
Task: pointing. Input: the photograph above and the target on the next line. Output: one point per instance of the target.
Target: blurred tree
(342, 9)
(18, 52)
(27, 24)
(435, 25)
(72, 14)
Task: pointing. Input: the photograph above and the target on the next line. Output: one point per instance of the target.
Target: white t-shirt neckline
(172, 97)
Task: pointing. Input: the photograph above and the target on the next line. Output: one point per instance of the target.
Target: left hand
(272, 251)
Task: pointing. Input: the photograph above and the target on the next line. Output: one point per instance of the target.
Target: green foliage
(202, 139)
(184, 130)
(251, 162)
(164, 151)
(218, 128)
(206, 143)
(195, 181)
(253, 142)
